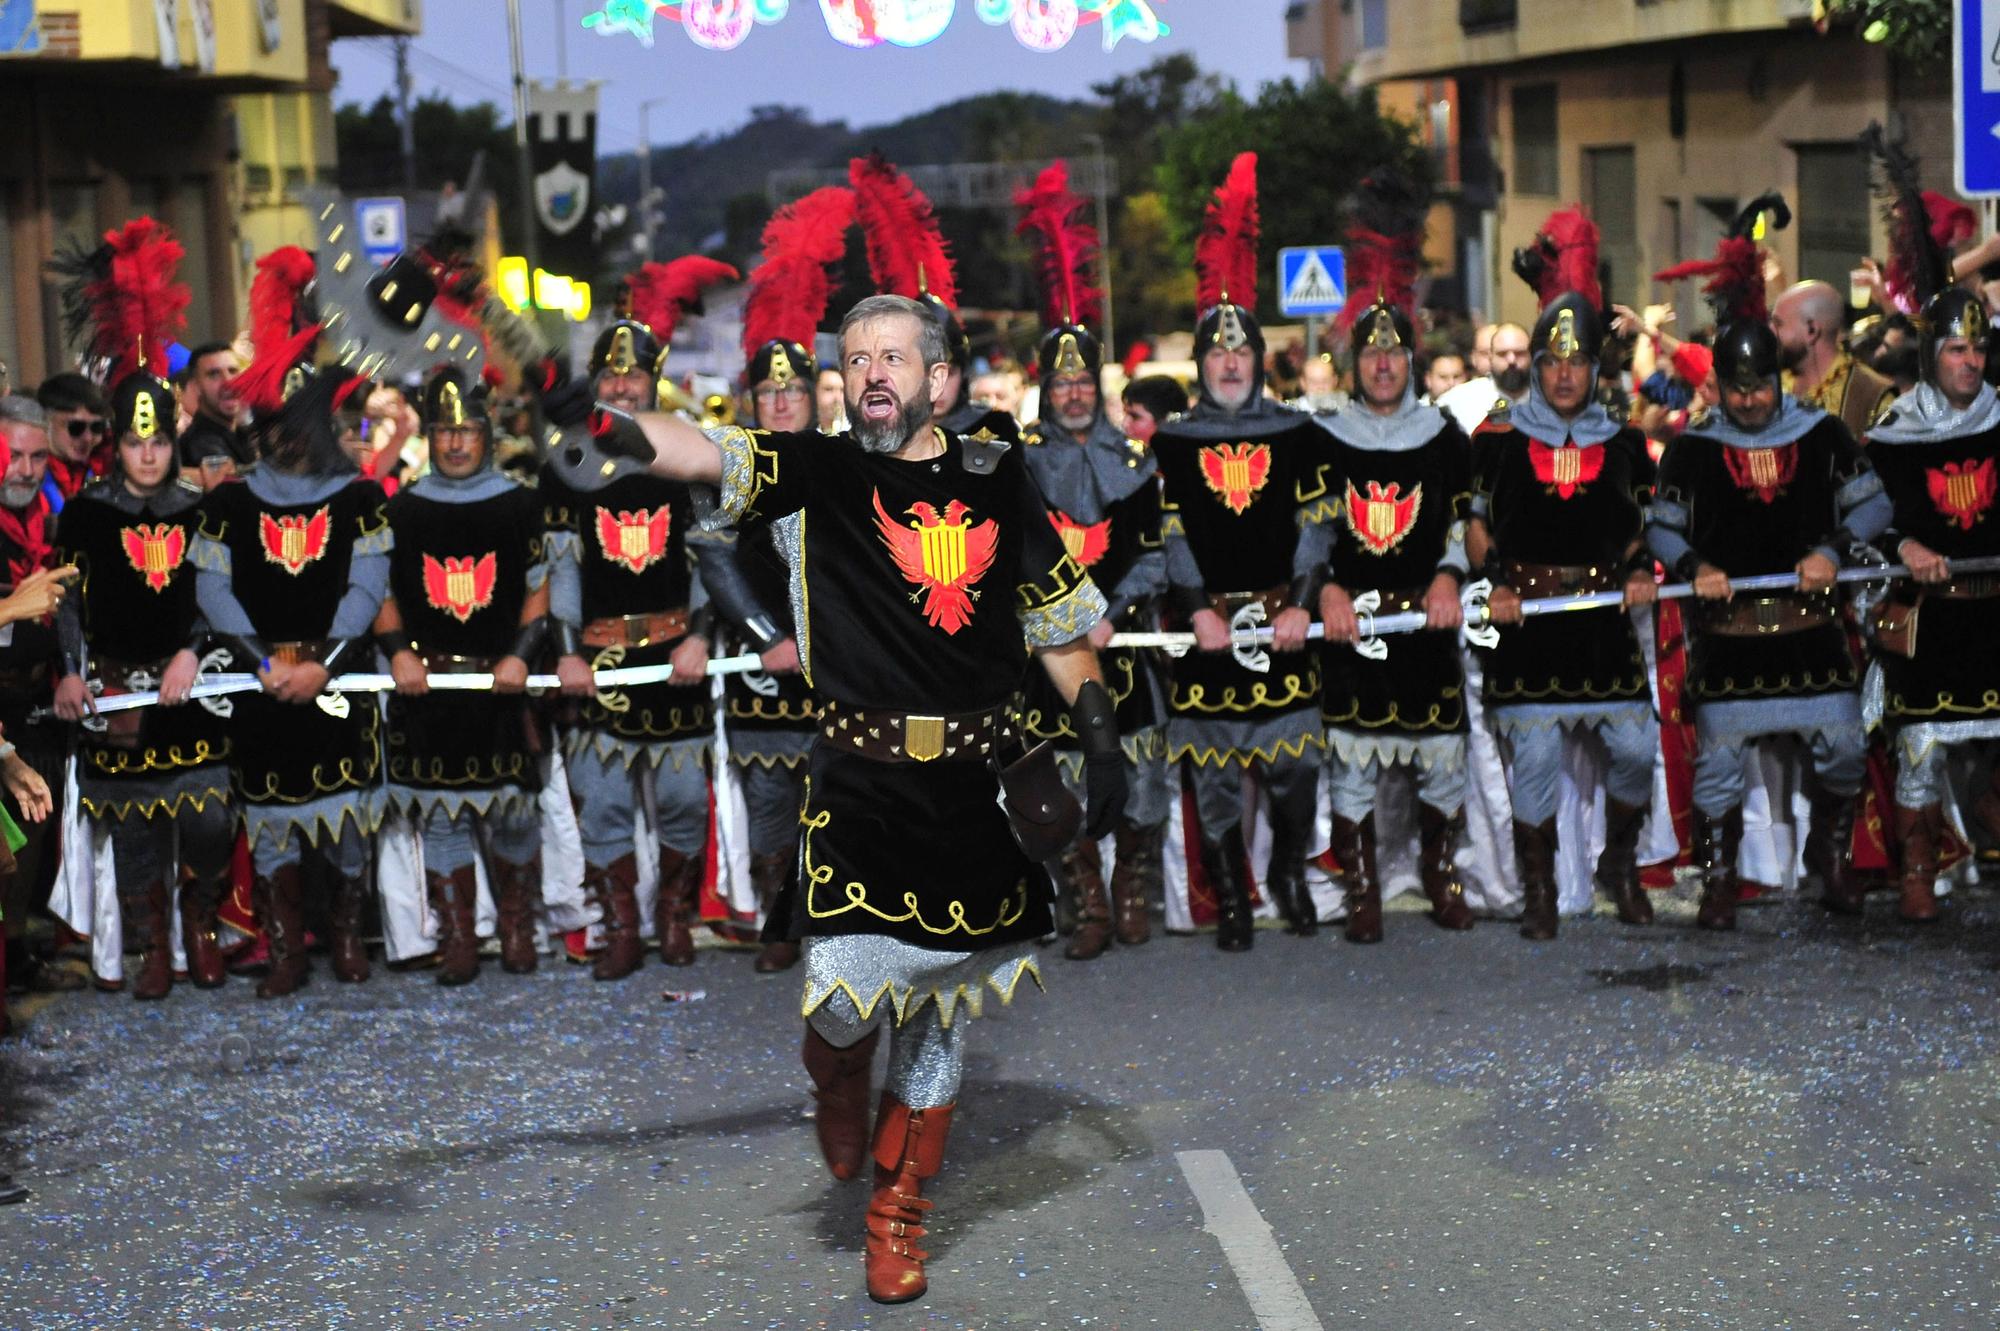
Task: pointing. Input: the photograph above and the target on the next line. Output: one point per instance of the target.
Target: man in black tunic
(922, 566)
(1938, 454)
(1243, 481)
(1403, 473)
(1103, 493)
(468, 593)
(1766, 484)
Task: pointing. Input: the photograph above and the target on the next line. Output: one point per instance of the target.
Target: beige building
(212, 115)
(1662, 117)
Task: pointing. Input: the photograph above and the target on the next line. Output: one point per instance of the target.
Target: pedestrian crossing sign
(1312, 280)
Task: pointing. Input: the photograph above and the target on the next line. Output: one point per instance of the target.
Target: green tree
(1919, 31)
(1314, 145)
(448, 140)
(1153, 288)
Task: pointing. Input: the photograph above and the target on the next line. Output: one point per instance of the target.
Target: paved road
(1794, 1127)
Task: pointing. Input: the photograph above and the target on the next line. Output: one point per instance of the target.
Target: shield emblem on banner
(562, 197)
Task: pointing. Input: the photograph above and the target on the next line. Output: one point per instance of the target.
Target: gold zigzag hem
(908, 1001)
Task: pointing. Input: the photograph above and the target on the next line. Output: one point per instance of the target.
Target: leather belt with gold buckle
(913, 737)
(1766, 616)
(636, 630)
(1533, 580)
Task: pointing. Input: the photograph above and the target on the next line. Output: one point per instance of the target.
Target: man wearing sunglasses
(79, 435)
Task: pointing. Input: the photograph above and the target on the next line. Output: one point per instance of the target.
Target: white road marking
(1253, 1253)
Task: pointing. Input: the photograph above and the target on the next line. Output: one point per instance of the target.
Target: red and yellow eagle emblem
(155, 551)
(1962, 491)
(460, 585)
(1383, 517)
(294, 540)
(637, 540)
(1565, 470)
(1236, 472)
(1085, 541)
(1766, 471)
(944, 557)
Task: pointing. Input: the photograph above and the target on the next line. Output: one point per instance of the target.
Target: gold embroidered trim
(910, 1001)
(818, 876)
(1213, 757)
(1298, 689)
(146, 810)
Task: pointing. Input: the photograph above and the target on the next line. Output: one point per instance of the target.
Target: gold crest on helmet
(1229, 334)
(1382, 334)
(1069, 355)
(1563, 341)
(451, 406)
(624, 357)
(145, 417)
(783, 372)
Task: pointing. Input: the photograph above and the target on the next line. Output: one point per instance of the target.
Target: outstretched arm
(681, 452)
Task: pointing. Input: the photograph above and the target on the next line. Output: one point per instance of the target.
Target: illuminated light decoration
(1039, 25)
(719, 25)
(550, 291)
(1045, 25)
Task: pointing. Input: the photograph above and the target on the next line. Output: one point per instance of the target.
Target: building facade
(1662, 117)
(213, 115)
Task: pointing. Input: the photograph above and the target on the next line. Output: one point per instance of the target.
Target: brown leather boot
(201, 897)
(1828, 853)
(673, 917)
(1083, 878)
(348, 953)
(1235, 929)
(1618, 867)
(1715, 843)
(840, 1088)
(1535, 849)
(612, 888)
(280, 914)
(1135, 881)
(516, 889)
(1919, 830)
(144, 911)
(1354, 847)
(909, 1148)
(767, 879)
(452, 902)
(1438, 867)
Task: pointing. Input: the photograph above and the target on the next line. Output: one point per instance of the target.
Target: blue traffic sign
(380, 222)
(1312, 280)
(1975, 77)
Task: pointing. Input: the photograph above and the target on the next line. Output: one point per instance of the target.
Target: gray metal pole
(409, 133)
(562, 46)
(526, 166)
(646, 181)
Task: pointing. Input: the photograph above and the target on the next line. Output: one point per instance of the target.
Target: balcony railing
(1486, 15)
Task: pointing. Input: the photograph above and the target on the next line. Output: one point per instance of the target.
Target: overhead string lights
(1039, 25)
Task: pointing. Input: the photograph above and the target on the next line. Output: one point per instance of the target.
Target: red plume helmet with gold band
(1225, 263)
(122, 304)
(1746, 350)
(907, 253)
(1066, 253)
(1924, 226)
(790, 289)
(1385, 249)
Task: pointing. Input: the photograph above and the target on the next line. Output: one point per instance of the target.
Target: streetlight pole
(526, 165)
(1096, 141)
(646, 175)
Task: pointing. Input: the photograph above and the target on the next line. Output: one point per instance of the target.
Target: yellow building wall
(125, 30)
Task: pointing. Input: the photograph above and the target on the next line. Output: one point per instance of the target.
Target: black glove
(566, 401)
(1105, 784)
(620, 436)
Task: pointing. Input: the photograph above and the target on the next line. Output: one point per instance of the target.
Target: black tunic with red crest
(1575, 506)
(631, 549)
(923, 586)
(460, 573)
(1944, 490)
(133, 611)
(288, 566)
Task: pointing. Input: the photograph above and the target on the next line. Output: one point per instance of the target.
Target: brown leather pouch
(1044, 817)
(1895, 625)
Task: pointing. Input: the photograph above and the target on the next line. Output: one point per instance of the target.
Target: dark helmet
(1953, 312)
(453, 398)
(1746, 355)
(1570, 326)
(1382, 325)
(780, 362)
(143, 406)
(1232, 327)
(623, 346)
(956, 340)
(1069, 349)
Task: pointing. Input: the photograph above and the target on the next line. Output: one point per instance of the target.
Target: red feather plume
(1385, 246)
(1225, 253)
(1066, 248)
(262, 384)
(663, 292)
(907, 254)
(1952, 223)
(789, 291)
(1735, 286)
(136, 309)
(282, 277)
(1564, 258)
